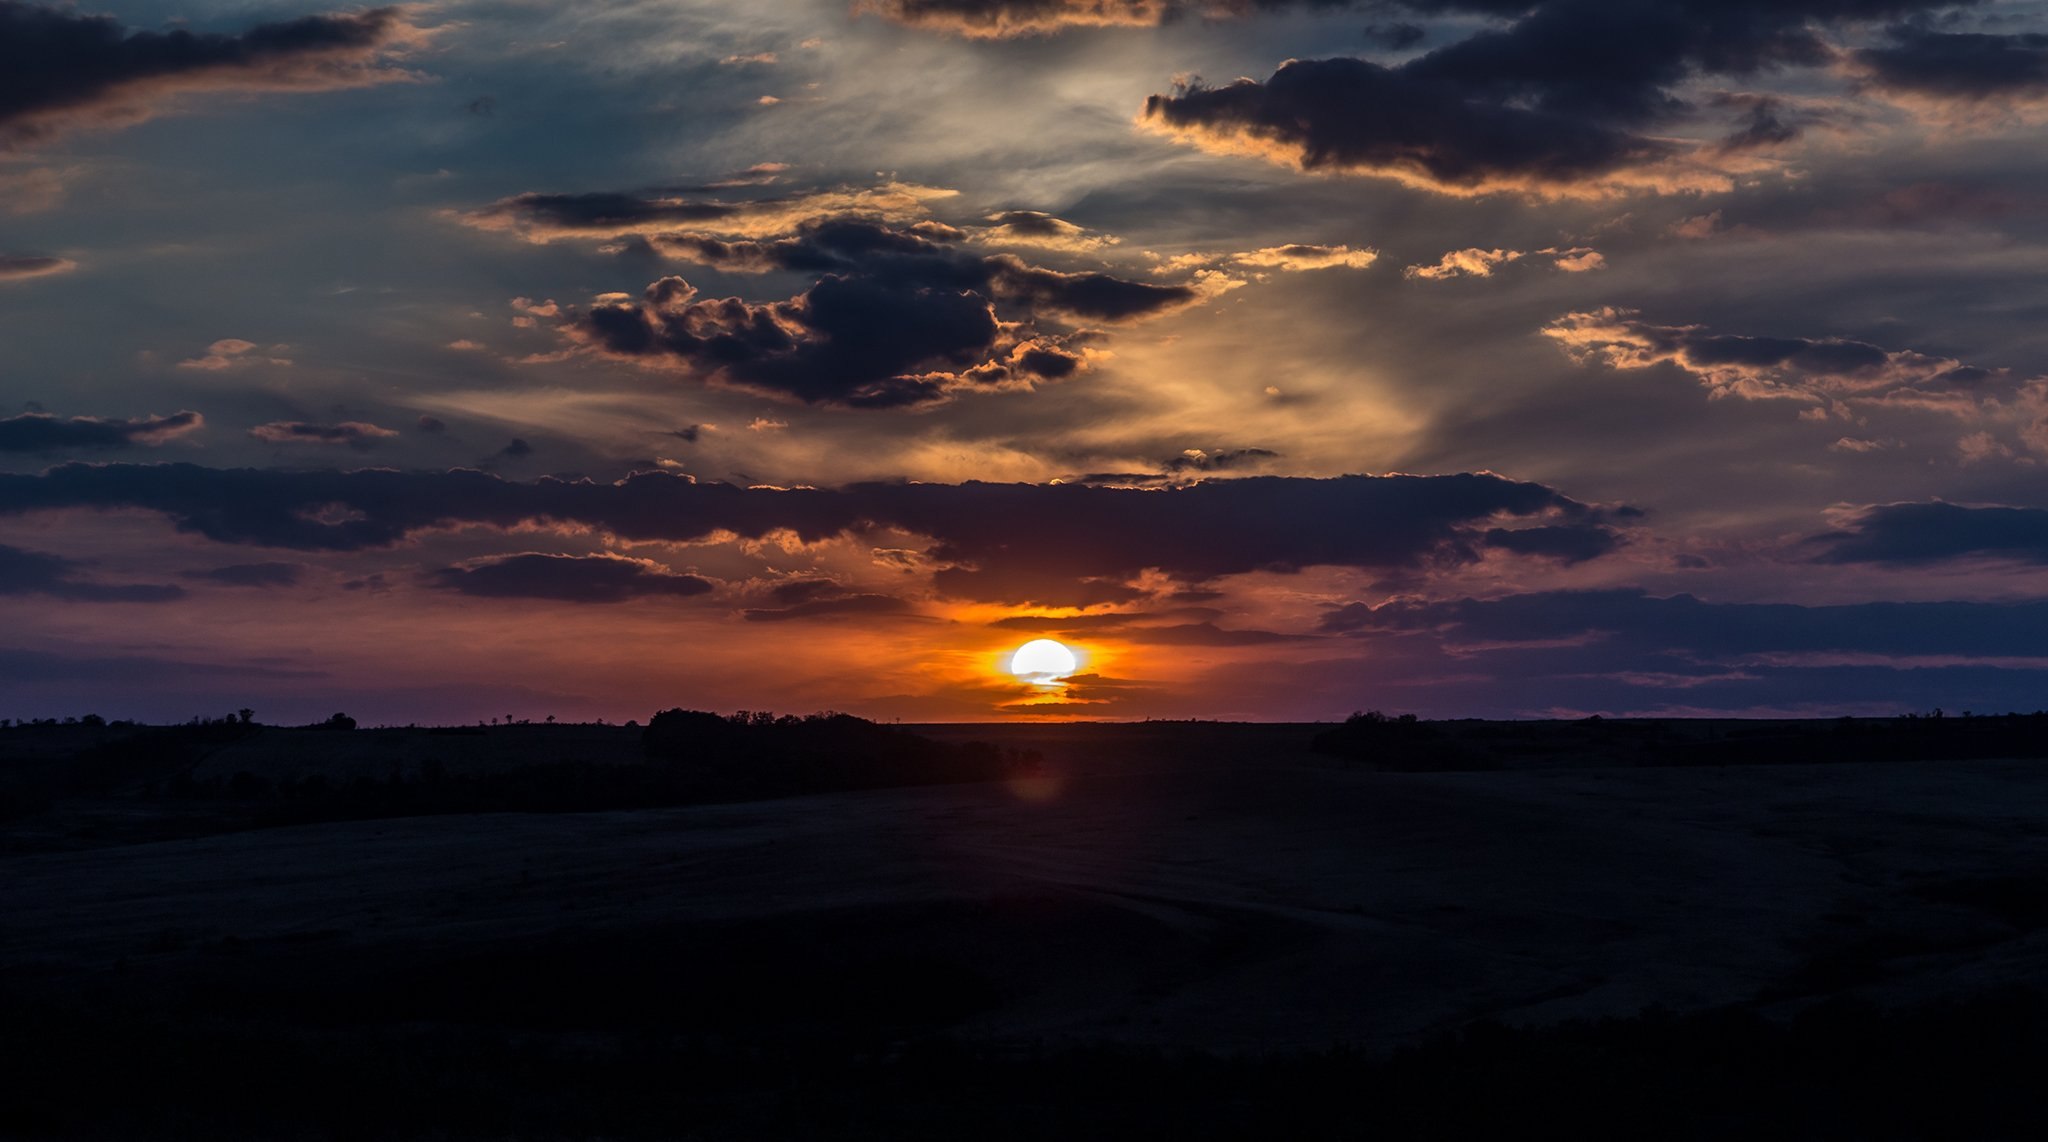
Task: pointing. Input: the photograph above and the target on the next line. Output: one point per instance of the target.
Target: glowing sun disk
(1042, 660)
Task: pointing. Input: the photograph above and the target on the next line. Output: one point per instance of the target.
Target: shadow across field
(1953, 1070)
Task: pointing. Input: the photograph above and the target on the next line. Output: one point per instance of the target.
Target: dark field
(1680, 929)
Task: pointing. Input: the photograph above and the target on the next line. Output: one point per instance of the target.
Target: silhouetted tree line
(1910, 738)
(1407, 744)
(692, 757)
(761, 752)
(1401, 742)
(126, 758)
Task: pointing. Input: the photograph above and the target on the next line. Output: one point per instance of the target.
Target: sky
(1283, 358)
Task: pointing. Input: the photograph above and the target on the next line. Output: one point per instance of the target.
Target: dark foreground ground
(1187, 931)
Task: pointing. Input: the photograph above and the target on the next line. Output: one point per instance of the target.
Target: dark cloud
(353, 433)
(1558, 98)
(35, 573)
(1058, 544)
(1913, 534)
(432, 425)
(517, 449)
(842, 606)
(253, 574)
(59, 67)
(1075, 545)
(1962, 66)
(1569, 543)
(600, 213)
(1355, 115)
(899, 316)
(39, 432)
(820, 245)
(1218, 460)
(567, 578)
(16, 267)
(846, 341)
(1764, 122)
(1089, 295)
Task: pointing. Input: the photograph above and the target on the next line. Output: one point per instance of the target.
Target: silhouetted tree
(339, 722)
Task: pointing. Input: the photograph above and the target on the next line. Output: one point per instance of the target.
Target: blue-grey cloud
(1964, 66)
(41, 432)
(1629, 622)
(36, 573)
(568, 578)
(1917, 534)
(59, 67)
(253, 574)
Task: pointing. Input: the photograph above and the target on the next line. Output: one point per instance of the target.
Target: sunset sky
(1463, 357)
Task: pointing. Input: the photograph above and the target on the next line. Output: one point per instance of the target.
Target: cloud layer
(1057, 544)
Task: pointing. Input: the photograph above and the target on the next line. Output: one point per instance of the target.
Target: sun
(1043, 661)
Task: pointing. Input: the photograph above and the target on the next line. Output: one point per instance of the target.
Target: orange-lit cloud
(539, 217)
(1301, 256)
(1479, 263)
(1792, 368)
(352, 433)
